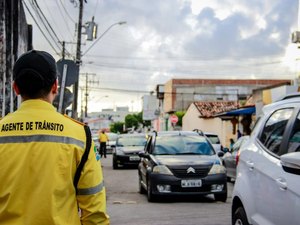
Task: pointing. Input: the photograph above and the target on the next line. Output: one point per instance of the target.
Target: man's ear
(54, 88)
(16, 88)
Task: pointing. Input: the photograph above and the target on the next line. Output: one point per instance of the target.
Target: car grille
(206, 188)
(182, 171)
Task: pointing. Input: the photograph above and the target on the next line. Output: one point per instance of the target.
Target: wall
(179, 93)
(223, 128)
(15, 39)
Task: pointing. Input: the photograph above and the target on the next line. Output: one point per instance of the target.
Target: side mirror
(220, 154)
(291, 162)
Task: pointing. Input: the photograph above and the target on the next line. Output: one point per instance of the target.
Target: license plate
(134, 158)
(191, 183)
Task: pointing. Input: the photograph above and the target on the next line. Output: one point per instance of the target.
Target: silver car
(267, 186)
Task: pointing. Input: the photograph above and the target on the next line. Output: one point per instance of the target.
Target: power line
(67, 13)
(46, 23)
(49, 42)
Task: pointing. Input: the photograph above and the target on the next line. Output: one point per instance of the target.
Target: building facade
(15, 39)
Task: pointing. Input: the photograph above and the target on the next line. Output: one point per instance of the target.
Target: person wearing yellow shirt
(103, 139)
(41, 153)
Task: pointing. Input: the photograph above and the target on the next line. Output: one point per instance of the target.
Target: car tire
(240, 217)
(150, 195)
(229, 179)
(141, 188)
(221, 197)
(115, 164)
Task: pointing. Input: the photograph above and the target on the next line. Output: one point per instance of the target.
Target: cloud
(166, 39)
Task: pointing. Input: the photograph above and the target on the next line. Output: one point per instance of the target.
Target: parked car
(126, 151)
(215, 140)
(181, 163)
(266, 189)
(112, 138)
(230, 157)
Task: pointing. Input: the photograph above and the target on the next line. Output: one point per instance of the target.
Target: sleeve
(91, 194)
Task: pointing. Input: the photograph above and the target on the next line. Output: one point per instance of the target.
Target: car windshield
(131, 141)
(182, 145)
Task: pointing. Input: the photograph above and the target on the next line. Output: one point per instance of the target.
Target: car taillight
(237, 157)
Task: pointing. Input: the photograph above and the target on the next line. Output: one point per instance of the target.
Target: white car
(267, 186)
(215, 141)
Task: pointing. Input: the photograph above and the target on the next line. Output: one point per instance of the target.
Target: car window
(214, 139)
(179, 145)
(294, 141)
(112, 136)
(273, 130)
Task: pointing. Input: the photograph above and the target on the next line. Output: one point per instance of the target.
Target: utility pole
(78, 60)
(87, 82)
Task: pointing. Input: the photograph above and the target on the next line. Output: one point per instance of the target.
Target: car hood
(131, 149)
(172, 160)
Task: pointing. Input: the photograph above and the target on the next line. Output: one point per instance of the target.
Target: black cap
(35, 66)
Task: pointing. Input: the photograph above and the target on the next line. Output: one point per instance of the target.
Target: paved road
(127, 207)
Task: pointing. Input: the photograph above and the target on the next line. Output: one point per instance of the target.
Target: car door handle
(250, 164)
(281, 183)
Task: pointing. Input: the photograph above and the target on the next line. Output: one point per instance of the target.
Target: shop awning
(238, 112)
(242, 111)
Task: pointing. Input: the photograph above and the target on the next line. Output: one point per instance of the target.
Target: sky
(166, 39)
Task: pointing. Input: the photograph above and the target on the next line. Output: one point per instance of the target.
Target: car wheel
(141, 188)
(115, 164)
(228, 179)
(239, 217)
(150, 195)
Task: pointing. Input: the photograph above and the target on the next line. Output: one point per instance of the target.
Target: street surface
(126, 206)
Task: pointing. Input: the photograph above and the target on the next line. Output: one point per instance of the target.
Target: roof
(210, 109)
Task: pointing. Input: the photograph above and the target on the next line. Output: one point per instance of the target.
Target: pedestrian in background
(231, 143)
(40, 151)
(103, 139)
(239, 134)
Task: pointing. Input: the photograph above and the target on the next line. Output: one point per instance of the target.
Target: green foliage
(135, 120)
(179, 114)
(117, 127)
(131, 120)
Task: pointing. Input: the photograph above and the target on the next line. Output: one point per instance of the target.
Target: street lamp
(78, 55)
(114, 24)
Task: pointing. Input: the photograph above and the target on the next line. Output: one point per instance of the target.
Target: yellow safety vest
(40, 150)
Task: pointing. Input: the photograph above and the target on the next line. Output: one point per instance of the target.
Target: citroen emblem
(190, 170)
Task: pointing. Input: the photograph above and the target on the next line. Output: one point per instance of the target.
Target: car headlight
(119, 151)
(162, 170)
(217, 169)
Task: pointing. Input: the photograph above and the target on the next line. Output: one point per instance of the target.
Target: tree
(117, 127)
(131, 121)
(179, 114)
(136, 120)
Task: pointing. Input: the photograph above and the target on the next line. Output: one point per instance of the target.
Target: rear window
(112, 136)
(131, 141)
(213, 138)
(182, 145)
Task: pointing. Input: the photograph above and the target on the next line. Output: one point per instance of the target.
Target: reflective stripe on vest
(90, 191)
(41, 138)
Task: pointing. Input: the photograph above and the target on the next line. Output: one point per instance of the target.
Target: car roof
(289, 99)
(177, 133)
